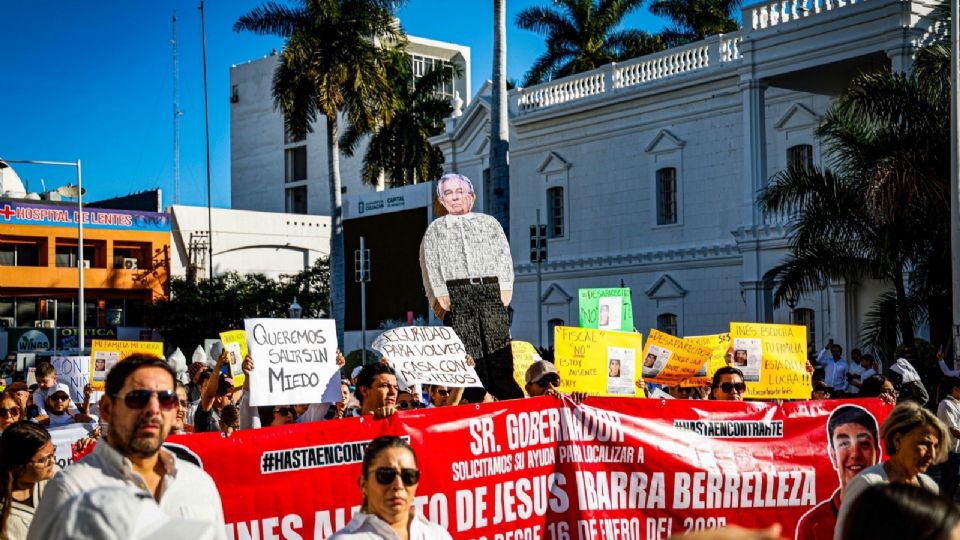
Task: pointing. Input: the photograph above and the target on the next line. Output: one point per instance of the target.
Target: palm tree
(696, 19)
(582, 35)
(882, 208)
(333, 63)
(401, 148)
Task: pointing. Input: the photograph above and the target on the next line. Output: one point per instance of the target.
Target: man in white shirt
(139, 407)
(949, 413)
(835, 368)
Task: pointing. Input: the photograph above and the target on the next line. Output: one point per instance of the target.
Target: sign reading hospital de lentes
(606, 309)
(106, 353)
(427, 355)
(669, 359)
(773, 359)
(598, 362)
(294, 361)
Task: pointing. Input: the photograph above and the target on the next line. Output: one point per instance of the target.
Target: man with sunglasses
(543, 379)
(58, 414)
(139, 406)
(727, 385)
(438, 395)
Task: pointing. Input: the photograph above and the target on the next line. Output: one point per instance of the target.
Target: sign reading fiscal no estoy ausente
(295, 361)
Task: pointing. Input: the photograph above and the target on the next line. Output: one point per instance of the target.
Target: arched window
(552, 324)
(800, 156)
(666, 196)
(555, 212)
(667, 322)
(805, 317)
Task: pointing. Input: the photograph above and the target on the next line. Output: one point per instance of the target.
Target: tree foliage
(881, 207)
(694, 20)
(582, 35)
(201, 310)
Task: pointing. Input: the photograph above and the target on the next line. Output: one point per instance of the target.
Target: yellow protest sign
(235, 343)
(106, 353)
(598, 362)
(524, 354)
(773, 359)
(670, 359)
(719, 345)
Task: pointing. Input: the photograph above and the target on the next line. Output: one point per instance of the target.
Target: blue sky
(93, 81)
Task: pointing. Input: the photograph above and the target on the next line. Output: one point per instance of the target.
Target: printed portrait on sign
(656, 359)
(748, 357)
(103, 361)
(610, 313)
(621, 365)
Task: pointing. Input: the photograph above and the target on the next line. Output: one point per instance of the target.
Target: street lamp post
(295, 311)
(69, 191)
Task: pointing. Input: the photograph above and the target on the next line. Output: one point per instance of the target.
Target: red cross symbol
(7, 212)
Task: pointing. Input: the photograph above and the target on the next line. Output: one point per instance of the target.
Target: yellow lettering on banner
(686, 357)
(524, 354)
(121, 350)
(719, 345)
(240, 338)
(584, 357)
(773, 358)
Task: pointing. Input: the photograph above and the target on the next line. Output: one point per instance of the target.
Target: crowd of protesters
(144, 402)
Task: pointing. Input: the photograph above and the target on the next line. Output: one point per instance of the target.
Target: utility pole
(361, 259)
(538, 255)
(954, 178)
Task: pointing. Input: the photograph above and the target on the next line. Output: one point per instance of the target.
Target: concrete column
(754, 178)
(902, 57)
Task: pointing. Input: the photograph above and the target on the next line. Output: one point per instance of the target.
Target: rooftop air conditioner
(86, 264)
(45, 323)
(129, 263)
(7, 322)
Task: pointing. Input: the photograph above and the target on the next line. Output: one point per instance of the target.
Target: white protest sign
(295, 361)
(63, 438)
(427, 355)
(74, 371)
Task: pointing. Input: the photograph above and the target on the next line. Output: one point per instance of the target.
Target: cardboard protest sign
(669, 359)
(105, 353)
(524, 354)
(295, 361)
(427, 355)
(235, 343)
(606, 309)
(598, 362)
(74, 371)
(719, 345)
(773, 359)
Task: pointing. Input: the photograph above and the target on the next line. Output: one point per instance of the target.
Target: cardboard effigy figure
(468, 275)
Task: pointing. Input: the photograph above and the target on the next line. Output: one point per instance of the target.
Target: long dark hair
(18, 444)
(374, 449)
(900, 511)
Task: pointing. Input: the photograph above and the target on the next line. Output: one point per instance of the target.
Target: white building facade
(270, 172)
(646, 172)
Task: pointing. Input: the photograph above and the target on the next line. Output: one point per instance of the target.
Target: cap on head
(537, 370)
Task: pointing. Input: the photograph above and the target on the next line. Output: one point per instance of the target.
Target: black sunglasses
(408, 405)
(730, 387)
(283, 411)
(138, 399)
(59, 397)
(12, 411)
(547, 380)
(443, 393)
(385, 476)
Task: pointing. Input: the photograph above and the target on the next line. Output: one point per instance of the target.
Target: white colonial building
(272, 173)
(646, 172)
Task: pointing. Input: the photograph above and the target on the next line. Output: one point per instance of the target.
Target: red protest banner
(546, 468)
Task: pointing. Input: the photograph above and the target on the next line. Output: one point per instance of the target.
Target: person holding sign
(468, 276)
(728, 385)
(388, 481)
(377, 390)
(543, 380)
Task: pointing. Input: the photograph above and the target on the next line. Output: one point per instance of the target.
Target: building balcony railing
(713, 52)
(770, 14)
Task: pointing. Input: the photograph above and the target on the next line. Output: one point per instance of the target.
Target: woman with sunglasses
(727, 385)
(388, 482)
(10, 410)
(27, 461)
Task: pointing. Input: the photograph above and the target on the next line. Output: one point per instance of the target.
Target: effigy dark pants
(480, 319)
